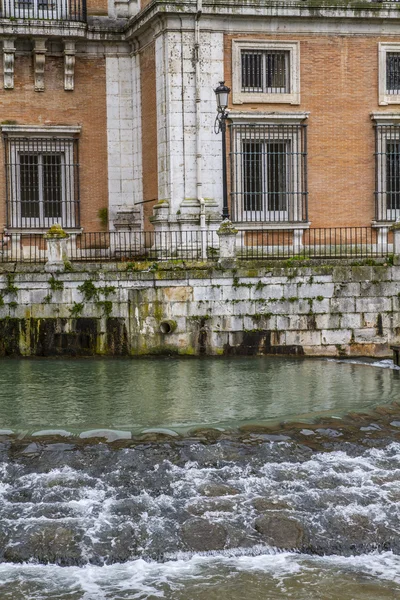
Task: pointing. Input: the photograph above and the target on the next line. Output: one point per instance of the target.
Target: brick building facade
(110, 105)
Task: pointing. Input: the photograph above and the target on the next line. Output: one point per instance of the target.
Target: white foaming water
(277, 572)
(382, 364)
(357, 493)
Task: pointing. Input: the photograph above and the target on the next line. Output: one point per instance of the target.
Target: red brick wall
(339, 86)
(97, 7)
(55, 106)
(149, 129)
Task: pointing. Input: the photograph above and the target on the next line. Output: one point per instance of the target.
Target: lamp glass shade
(222, 95)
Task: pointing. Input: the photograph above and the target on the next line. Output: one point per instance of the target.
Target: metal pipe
(225, 209)
(199, 154)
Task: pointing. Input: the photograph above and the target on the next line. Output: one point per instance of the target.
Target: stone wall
(318, 310)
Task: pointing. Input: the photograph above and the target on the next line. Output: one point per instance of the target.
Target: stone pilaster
(8, 62)
(39, 57)
(69, 65)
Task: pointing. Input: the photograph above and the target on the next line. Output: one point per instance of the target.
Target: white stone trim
(279, 118)
(383, 49)
(39, 55)
(385, 118)
(283, 226)
(41, 130)
(240, 97)
(39, 230)
(69, 65)
(8, 63)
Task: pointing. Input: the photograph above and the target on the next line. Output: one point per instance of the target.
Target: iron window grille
(268, 173)
(59, 10)
(393, 73)
(266, 71)
(387, 156)
(42, 182)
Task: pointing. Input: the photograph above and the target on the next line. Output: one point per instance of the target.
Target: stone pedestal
(382, 239)
(297, 240)
(56, 239)
(127, 240)
(227, 242)
(396, 239)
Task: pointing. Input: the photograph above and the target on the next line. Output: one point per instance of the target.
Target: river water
(178, 394)
(201, 491)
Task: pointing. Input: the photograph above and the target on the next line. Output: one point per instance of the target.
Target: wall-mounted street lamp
(222, 95)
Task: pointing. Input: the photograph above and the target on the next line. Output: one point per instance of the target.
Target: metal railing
(143, 246)
(57, 10)
(187, 246)
(115, 246)
(29, 247)
(324, 242)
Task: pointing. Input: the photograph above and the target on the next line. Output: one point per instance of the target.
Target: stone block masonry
(144, 309)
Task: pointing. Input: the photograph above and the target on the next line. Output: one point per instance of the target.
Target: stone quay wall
(292, 307)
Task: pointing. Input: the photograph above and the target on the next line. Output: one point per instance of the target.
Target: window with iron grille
(42, 182)
(393, 73)
(387, 172)
(268, 173)
(389, 73)
(265, 72)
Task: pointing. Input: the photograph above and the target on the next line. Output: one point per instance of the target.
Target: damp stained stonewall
(199, 479)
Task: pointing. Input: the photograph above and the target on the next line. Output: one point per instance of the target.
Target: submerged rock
(201, 535)
(54, 544)
(280, 531)
(265, 504)
(211, 505)
(218, 489)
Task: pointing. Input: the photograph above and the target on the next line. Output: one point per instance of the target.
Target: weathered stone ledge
(337, 309)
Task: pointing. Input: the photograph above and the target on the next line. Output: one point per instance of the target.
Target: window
(265, 72)
(387, 172)
(393, 73)
(268, 171)
(389, 73)
(42, 176)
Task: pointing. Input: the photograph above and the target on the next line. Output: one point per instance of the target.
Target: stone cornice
(41, 130)
(32, 27)
(376, 15)
(386, 118)
(321, 15)
(278, 117)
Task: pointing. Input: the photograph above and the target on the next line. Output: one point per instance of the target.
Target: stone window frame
(240, 97)
(276, 119)
(69, 135)
(390, 123)
(383, 49)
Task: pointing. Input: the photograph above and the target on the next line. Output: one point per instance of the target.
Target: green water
(178, 394)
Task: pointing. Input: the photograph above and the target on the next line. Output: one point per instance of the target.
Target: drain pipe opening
(167, 326)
